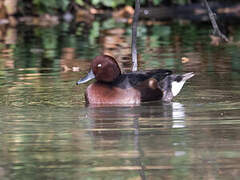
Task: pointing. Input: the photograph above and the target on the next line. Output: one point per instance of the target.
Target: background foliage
(58, 6)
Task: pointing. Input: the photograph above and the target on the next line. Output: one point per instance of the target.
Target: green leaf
(63, 4)
(96, 2)
(157, 2)
(79, 2)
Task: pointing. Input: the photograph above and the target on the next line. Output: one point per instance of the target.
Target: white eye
(99, 65)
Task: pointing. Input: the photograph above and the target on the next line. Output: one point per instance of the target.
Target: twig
(134, 35)
(216, 30)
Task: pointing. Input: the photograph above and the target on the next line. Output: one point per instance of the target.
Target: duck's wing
(158, 74)
(146, 83)
(136, 78)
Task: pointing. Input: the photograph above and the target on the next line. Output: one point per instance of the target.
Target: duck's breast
(101, 93)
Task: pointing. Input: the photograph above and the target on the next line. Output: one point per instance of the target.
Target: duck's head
(104, 68)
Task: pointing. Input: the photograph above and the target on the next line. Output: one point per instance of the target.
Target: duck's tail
(178, 82)
(187, 76)
(172, 85)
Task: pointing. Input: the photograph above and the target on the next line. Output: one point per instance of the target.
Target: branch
(216, 30)
(134, 35)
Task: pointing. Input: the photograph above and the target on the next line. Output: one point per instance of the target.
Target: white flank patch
(176, 87)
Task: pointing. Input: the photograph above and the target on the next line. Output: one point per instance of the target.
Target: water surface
(48, 132)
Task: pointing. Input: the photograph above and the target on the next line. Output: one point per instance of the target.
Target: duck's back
(136, 78)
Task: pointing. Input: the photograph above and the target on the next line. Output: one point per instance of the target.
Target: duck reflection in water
(115, 88)
(109, 124)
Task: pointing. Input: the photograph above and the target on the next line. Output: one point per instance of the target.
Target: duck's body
(112, 87)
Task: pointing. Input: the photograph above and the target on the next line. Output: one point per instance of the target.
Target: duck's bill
(87, 78)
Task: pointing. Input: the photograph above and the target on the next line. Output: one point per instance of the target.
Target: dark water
(47, 132)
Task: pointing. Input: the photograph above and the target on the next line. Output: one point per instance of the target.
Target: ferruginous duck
(116, 88)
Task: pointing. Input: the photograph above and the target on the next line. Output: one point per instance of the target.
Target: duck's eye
(99, 65)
